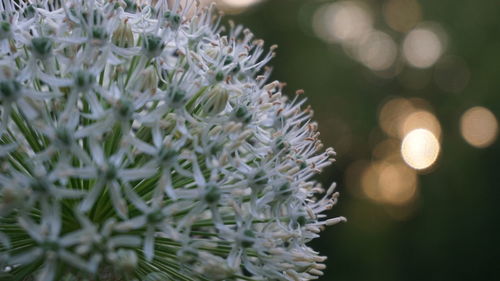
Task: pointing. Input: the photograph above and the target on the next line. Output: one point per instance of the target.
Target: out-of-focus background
(408, 94)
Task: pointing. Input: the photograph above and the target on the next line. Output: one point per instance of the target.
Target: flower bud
(131, 6)
(212, 194)
(123, 36)
(177, 98)
(148, 80)
(29, 11)
(213, 52)
(248, 238)
(99, 36)
(126, 260)
(173, 19)
(124, 110)
(216, 100)
(5, 29)
(63, 137)
(9, 90)
(83, 80)
(258, 181)
(219, 76)
(242, 115)
(152, 45)
(41, 47)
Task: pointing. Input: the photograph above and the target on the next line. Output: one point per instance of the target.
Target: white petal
(82, 173)
(96, 151)
(26, 257)
(113, 60)
(134, 198)
(68, 193)
(149, 243)
(27, 109)
(142, 146)
(137, 174)
(131, 224)
(33, 229)
(125, 241)
(54, 81)
(126, 52)
(89, 201)
(75, 260)
(73, 238)
(117, 200)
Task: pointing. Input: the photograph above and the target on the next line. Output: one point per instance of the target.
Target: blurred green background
(366, 66)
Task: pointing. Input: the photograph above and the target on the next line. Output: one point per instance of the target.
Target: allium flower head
(142, 141)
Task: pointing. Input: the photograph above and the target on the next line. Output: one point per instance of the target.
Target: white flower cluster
(139, 143)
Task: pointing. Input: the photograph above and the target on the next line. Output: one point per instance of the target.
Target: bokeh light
(422, 47)
(420, 149)
(399, 116)
(318, 23)
(369, 181)
(398, 183)
(235, 6)
(377, 51)
(228, 6)
(421, 119)
(445, 55)
(479, 127)
(402, 15)
(389, 183)
(344, 21)
(393, 113)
